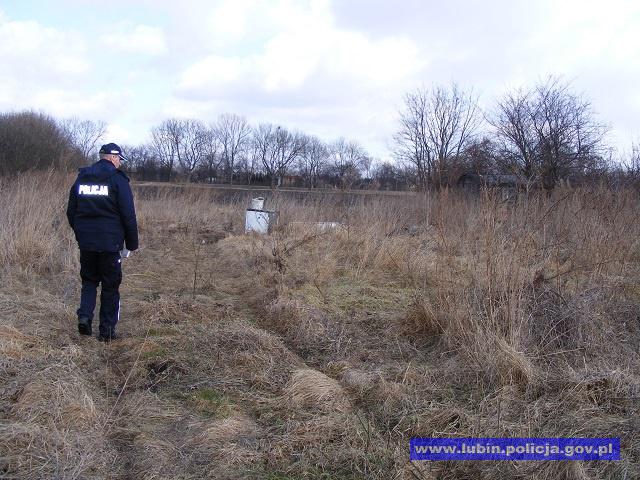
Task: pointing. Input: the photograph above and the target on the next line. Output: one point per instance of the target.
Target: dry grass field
(311, 354)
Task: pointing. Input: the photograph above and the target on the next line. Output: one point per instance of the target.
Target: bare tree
(435, 127)
(347, 160)
(548, 134)
(480, 156)
(211, 158)
(143, 161)
(312, 160)
(515, 132)
(277, 149)
(84, 134)
(253, 159)
(569, 138)
(233, 133)
(193, 145)
(632, 163)
(166, 141)
(387, 176)
(263, 141)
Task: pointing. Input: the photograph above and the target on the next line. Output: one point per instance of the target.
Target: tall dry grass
(35, 234)
(318, 353)
(532, 303)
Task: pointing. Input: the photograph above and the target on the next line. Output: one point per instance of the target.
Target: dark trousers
(101, 268)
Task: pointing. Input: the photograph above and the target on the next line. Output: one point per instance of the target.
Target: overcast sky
(330, 68)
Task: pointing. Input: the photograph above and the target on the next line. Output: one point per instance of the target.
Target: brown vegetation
(316, 353)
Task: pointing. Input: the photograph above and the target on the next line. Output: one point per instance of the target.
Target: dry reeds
(35, 234)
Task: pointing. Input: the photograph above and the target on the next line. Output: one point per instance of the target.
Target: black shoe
(84, 326)
(107, 338)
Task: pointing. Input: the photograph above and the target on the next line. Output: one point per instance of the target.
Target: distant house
(507, 185)
(290, 181)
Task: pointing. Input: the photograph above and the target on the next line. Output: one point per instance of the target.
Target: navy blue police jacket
(101, 211)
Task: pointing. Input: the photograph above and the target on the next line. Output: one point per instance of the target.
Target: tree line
(230, 150)
(543, 135)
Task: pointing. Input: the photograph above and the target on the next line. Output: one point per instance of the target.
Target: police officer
(102, 215)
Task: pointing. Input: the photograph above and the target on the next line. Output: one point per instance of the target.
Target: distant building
(290, 181)
(506, 184)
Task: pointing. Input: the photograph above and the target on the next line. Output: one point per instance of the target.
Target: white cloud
(303, 70)
(140, 39)
(228, 22)
(66, 103)
(214, 72)
(589, 32)
(29, 49)
(41, 67)
(595, 45)
(49, 69)
(304, 43)
(118, 134)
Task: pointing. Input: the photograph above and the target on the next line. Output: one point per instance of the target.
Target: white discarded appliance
(258, 219)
